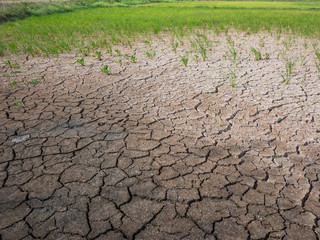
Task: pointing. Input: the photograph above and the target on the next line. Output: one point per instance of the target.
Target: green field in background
(98, 27)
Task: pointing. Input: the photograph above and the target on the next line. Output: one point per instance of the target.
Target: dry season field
(199, 136)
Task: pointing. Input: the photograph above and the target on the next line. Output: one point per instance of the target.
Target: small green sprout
(11, 65)
(185, 60)
(267, 55)
(318, 69)
(257, 54)
(99, 55)
(289, 69)
(119, 61)
(150, 54)
(34, 82)
(118, 52)
(106, 69)
(109, 50)
(81, 61)
(133, 58)
(85, 51)
(19, 103)
(13, 84)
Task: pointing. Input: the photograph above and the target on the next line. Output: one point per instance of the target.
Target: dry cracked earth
(157, 150)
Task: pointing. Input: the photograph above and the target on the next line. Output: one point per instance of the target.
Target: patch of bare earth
(158, 150)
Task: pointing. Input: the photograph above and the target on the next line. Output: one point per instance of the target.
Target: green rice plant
(13, 84)
(196, 57)
(126, 56)
(302, 60)
(317, 53)
(109, 50)
(133, 58)
(11, 64)
(150, 54)
(261, 43)
(230, 42)
(314, 46)
(174, 45)
(318, 69)
(119, 61)
(99, 55)
(19, 103)
(185, 60)
(85, 51)
(305, 45)
(287, 43)
(106, 69)
(267, 55)
(148, 41)
(81, 61)
(118, 52)
(288, 74)
(34, 82)
(233, 76)
(234, 54)
(257, 54)
(193, 45)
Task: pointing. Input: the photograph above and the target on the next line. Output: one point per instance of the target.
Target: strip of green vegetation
(243, 5)
(20, 10)
(97, 28)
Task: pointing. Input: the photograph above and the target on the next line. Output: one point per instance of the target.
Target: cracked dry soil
(161, 151)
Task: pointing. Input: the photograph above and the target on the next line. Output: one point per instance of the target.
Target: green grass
(102, 27)
(243, 4)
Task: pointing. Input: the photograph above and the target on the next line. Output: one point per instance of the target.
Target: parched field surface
(157, 150)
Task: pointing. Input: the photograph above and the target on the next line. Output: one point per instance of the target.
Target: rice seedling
(133, 58)
(196, 57)
(11, 64)
(317, 53)
(267, 55)
(148, 42)
(230, 42)
(150, 54)
(305, 45)
(174, 45)
(106, 69)
(257, 54)
(314, 46)
(231, 76)
(126, 56)
(261, 43)
(99, 55)
(81, 61)
(287, 43)
(233, 52)
(109, 50)
(118, 52)
(13, 84)
(288, 74)
(19, 103)
(34, 82)
(185, 60)
(318, 70)
(119, 61)
(302, 60)
(85, 51)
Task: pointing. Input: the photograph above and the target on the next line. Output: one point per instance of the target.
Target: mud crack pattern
(161, 151)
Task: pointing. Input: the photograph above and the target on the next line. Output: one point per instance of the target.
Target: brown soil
(161, 151)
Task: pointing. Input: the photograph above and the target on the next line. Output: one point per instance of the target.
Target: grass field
(99, 27)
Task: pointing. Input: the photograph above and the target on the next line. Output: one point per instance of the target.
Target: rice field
(100, 27)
